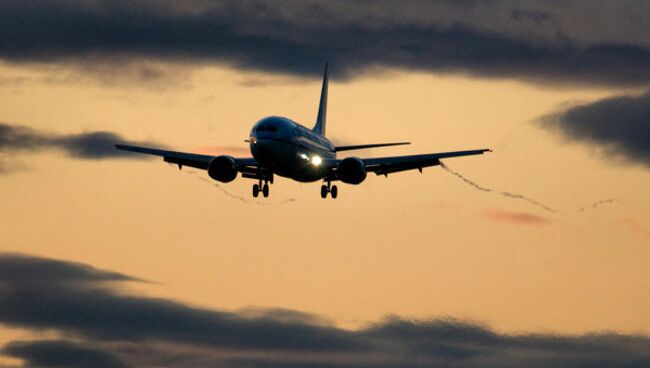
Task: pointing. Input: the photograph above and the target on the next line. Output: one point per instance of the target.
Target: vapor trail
(598, 204)
(224, 191)
(505, 194)
(235, 196)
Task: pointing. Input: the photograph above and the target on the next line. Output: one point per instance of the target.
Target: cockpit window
(267, 128)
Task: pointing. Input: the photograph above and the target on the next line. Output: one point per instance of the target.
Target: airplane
(280, 146)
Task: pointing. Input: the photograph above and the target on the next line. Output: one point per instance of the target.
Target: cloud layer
(61, 354)
(620, 125)
(88, 146)
(542, 41)
(106, 327)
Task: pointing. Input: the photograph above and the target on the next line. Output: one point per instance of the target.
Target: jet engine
(223, 168)
(351, 170)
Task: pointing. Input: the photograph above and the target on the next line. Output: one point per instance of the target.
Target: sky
(533, 255)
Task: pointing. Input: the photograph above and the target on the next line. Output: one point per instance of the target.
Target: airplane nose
(263, 147)
(262, 151)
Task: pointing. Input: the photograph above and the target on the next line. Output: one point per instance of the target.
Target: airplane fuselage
(290, 150)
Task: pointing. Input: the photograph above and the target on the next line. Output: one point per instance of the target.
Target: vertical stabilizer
(321, 119)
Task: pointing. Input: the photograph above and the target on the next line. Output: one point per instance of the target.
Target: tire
(334, 191)
(323, 191)
(265, 190)
(256, 190)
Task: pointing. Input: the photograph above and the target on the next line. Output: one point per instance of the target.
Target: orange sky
(413, 245)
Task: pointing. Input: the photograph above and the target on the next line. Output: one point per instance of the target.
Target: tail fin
(321, 120)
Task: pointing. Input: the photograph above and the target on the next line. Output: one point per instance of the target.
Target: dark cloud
(103, 327)
(89, 146)
(19, 138)
(542, 41)
(17, 269)
(103, 314)
(619, 125)
(61, 354)
(93, 145)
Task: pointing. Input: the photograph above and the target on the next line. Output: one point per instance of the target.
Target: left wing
(244, 165)
(387, 165)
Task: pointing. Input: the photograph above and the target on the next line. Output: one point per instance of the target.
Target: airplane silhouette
(281, 146)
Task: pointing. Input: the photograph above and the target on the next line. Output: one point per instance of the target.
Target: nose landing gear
(329, 188)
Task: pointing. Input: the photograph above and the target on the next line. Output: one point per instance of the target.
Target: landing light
(316, 160)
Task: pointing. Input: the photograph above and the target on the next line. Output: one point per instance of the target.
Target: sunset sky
(537, 253)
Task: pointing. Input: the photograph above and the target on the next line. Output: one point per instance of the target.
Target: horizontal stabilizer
(364, 146)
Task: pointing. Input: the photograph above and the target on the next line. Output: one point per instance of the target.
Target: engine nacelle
(223, 168)
(351, 170)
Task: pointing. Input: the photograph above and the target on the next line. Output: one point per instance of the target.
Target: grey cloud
(541, 41)
(92, 146)
(103, 314)
(89, 146)
(122, 330)
(20, 138)
(61, 354)
(620, 125)
(16, 269)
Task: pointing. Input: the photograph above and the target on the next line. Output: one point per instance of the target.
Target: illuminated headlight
(304, 156)
(316, 160)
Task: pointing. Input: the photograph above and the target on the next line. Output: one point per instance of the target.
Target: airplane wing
(387, 165)
(195, 160)
(364, 146)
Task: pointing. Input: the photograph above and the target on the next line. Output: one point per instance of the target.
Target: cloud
(105, 327)
(516, 218)
(88, 146)
(17, 269)
(102, 314)
(61, 354)
(619, 125)
(543, 41)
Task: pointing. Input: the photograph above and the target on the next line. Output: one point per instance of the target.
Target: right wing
(364, 146)
(387, 165)
(244, 165)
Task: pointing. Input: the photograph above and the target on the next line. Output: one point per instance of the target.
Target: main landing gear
(329, 188)
(257, 188)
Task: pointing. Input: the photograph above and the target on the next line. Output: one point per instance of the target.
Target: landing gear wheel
(256, 190)
(323, 191)
(265, 190)
(334, 191)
